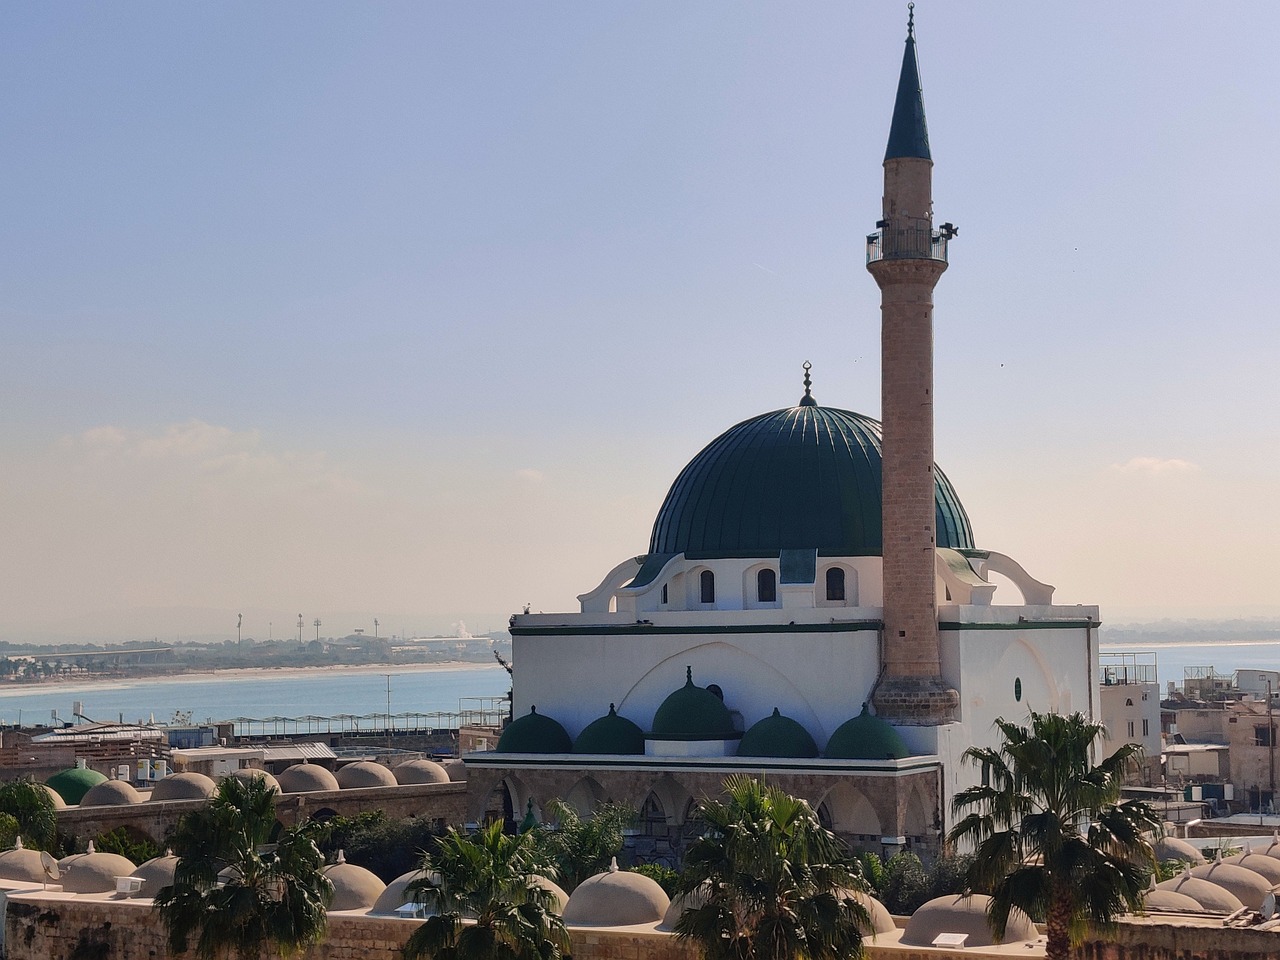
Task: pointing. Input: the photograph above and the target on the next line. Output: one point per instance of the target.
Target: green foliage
(778, 886)
(233, 893)
(665, 877)
(30, 803)
(872, 871)
(1168, 869)
(389, 848)
(905, 885)
(136, 849)
(489, 878)
(582, 848)
(1049, 832)
(9, 830)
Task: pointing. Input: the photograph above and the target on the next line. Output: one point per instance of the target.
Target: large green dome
(693, 713)
(796, 479)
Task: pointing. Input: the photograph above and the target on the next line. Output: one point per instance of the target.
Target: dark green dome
(777, 736)
(797, 479)
(610, 734)
(866, 737)
(72, 784)
(534, 733)
(693, 713)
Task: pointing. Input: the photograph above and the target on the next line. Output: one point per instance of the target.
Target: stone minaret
(906, 256)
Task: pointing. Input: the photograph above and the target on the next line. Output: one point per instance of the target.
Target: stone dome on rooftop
(804, 477)
(354, 887)
(111, 793)
(93, 872)
(420, 771)
(306, 778)
(184, 786)
(964, 915)
(616, 898)
(365, 773)
(611, 734)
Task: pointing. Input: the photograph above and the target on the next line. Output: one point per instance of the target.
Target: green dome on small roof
(610, 734)
(72, 784)
(777, 736)
(534, 733)
(693, 713)
(866, 737)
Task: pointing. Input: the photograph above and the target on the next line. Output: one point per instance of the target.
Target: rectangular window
(1146, 727)
(1262, 736)
(1130, 729)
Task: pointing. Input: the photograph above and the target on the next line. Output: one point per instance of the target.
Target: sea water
(257, 694)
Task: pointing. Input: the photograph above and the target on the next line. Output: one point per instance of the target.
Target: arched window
(707, 580)
(767, 586)
(835, 583)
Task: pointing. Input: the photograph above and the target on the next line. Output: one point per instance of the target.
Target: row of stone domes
(698, 713)
(89, 788)
(1223, 886)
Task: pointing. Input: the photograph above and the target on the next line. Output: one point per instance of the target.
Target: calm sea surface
(258, 695)
(1225, 656)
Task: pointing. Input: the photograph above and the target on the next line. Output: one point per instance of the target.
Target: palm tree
(492, 879)
(581, 848)
(31, 805)
(777, 884)
(1048, 833)
(233, 893)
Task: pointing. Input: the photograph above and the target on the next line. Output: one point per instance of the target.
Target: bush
(665, 876)
(386, 847)
(135, 849)
(906, 886)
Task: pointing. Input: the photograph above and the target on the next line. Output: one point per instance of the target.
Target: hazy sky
(415, 310)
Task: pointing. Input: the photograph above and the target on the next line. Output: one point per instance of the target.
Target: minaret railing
(907, 243)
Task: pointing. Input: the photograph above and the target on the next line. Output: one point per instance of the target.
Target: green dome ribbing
(803, 478)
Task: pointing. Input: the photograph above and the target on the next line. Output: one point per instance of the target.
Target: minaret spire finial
(911, 20)
(807, 400)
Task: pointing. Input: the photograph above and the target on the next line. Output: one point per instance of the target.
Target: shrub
(666, 878)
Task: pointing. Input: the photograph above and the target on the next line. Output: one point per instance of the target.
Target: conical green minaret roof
(908, 134)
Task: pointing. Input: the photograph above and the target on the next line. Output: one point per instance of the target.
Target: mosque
(812, 607)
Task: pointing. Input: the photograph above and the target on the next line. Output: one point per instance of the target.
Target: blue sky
(415, 311)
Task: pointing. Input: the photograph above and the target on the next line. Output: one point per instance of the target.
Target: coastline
(8, 690)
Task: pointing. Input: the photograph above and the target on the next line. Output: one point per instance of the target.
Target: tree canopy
(777, 884)
(234, 893)
(491, 878)
(1049, 832)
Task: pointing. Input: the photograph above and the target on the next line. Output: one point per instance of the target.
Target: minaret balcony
(912, 242)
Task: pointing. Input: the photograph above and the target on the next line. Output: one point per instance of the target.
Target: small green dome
(534, 733)
(610, 734)
(866, 737)
(72, 784)
(693, 713)
(777, 736)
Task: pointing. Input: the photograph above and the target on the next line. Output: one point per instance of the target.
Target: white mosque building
(812, 607)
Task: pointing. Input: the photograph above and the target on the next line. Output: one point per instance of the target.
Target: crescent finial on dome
(807, 400)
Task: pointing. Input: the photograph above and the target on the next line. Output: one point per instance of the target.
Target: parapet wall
(43, 925)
